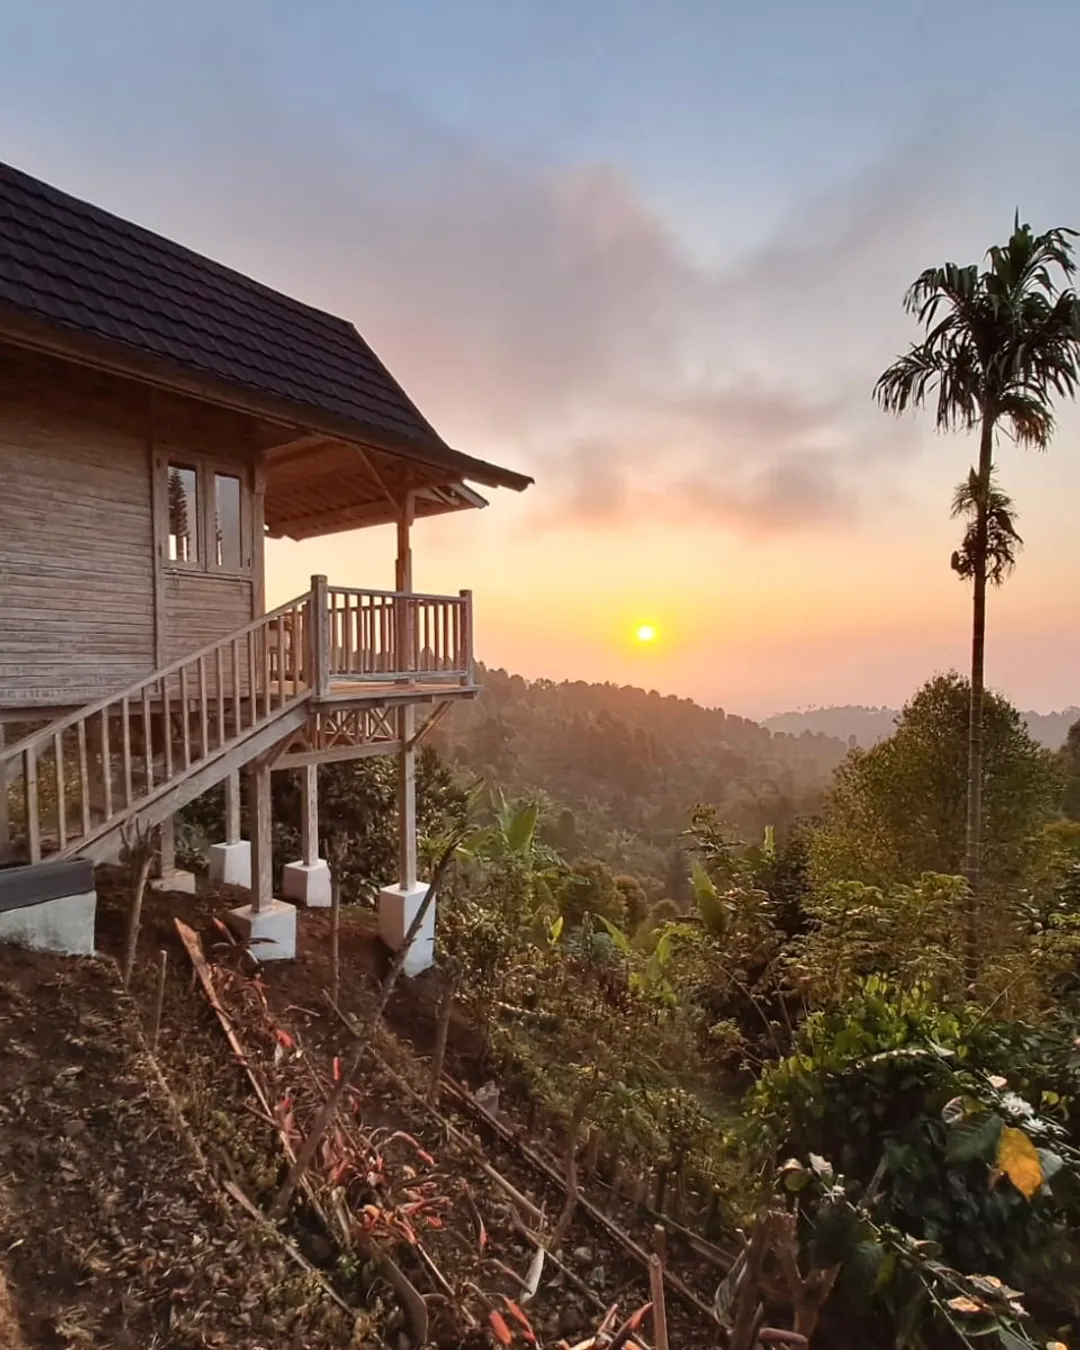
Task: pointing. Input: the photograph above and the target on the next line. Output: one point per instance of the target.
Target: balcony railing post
(319, 637)
(468, 667)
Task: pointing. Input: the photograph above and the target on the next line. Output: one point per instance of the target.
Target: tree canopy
(898, 810)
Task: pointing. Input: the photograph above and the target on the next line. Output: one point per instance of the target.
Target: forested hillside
(870, 725)
(619, 768)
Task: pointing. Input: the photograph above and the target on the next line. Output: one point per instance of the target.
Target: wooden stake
(142, 851)
(159, 1001)
(592, 1152)
(659, 1312)
(661, 1185)
(335, 933)
(442, 1035)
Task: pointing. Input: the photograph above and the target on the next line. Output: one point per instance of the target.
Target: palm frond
(1003, 542)
(999, 344)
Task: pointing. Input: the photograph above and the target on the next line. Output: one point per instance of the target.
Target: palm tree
(1000, 344)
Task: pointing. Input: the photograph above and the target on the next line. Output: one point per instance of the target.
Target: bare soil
(116, 1231)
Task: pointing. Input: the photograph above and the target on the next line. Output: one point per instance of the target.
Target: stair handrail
(51, 729)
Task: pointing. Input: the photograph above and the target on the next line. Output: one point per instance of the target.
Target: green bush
(925, 1099)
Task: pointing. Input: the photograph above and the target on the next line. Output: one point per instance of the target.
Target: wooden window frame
(206, 467)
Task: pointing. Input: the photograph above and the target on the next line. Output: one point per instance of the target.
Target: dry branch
(141, 850)
(462, 1140)
(586, 1206)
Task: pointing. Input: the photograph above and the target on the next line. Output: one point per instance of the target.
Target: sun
(646, 632)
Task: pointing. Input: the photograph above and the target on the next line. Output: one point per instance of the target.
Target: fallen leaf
(501, 1330)
(515, 1312)
(962, 1304)
(1018, 1158)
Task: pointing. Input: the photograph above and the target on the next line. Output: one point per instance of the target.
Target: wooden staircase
(145, 752)
(74, 785)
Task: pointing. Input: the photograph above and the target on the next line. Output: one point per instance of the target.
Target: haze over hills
(870, 725)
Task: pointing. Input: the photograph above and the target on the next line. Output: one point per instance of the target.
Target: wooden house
(160, 417)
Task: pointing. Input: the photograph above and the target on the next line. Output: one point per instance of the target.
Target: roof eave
(121, 358)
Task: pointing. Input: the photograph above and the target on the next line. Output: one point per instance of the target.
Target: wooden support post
(403, 571)
(309, 816)
(467, 658)
(262, 875)
(406, 715)
(232, 808)
(404, 626)
(319, 635)
(406, 798)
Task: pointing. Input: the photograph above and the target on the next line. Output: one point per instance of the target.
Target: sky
(652, 255)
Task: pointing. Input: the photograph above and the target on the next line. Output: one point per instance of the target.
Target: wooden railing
(82, 774)
(387, 635)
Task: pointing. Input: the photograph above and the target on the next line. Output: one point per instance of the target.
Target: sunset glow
(562, 294)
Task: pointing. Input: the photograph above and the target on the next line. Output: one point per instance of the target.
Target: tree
(635, 901)
(589, 888)
(899, 810)
(1070, 762)
(1000, 344)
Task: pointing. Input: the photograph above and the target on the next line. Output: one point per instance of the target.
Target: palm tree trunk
(973, 831)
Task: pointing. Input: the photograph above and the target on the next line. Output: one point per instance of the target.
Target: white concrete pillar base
(230, 864)
(269, 932)
(397, 910)
(64, 925)
(176, 880)
(308, 883)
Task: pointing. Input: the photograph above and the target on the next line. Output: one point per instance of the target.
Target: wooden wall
(200, 609)
(76, 590)
(88, 604)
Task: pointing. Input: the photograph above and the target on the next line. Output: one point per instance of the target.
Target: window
(228, 551)
(183, 515)
(209, 514)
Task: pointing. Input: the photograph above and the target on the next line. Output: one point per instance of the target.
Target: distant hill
(625, 766)
(870, 725)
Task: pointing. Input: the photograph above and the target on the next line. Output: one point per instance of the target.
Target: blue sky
(652, 253)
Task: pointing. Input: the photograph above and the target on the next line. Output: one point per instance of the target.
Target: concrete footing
(397, 910)
(64, 924)
(308, 883)
(176, 880)
(269, 932)
(230, 864)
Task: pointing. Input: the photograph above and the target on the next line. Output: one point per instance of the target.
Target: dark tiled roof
(73, 265)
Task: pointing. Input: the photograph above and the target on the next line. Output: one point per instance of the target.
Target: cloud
(546, 316)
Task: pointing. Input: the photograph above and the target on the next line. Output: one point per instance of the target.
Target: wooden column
(469, 678)
(309, 815)
(5, 823)
(159, 515)
(262, 873)
(258, 540)
(406, 720)
(319, 637)
(406, 715)
(232, 808)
